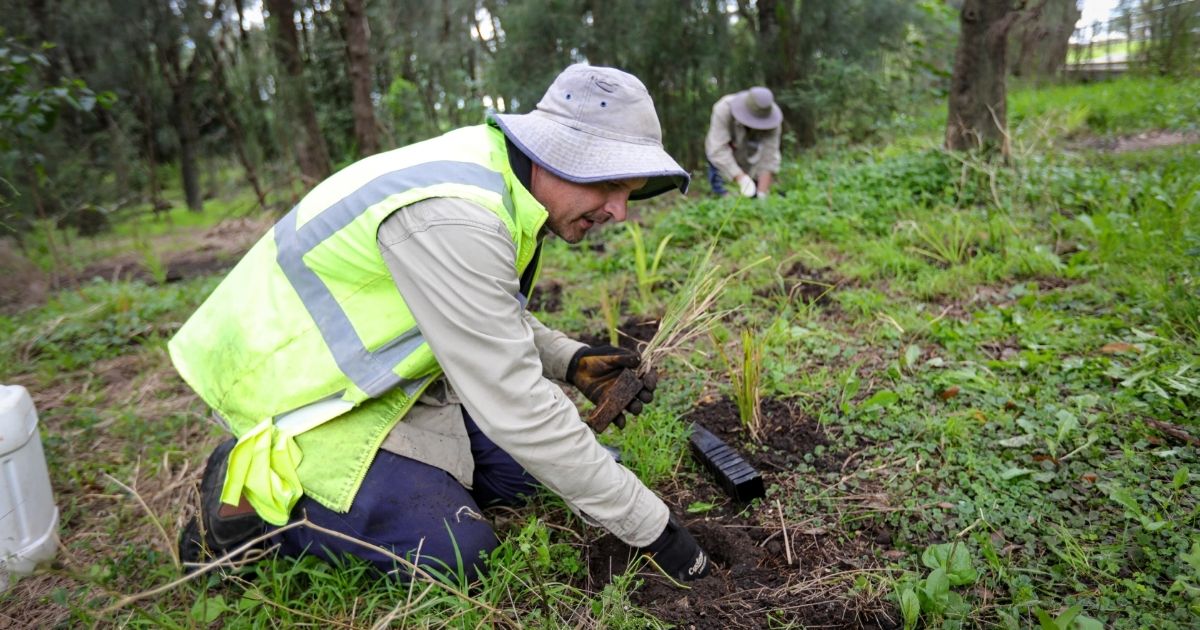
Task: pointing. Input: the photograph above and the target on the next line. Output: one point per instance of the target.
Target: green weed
(645, 266)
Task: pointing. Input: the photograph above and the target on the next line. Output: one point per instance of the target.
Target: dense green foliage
(996, 356)
(202, 88)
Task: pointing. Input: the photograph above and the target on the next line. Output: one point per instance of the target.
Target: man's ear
(535, 175)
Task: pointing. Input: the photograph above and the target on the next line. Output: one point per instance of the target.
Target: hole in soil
(547, 297)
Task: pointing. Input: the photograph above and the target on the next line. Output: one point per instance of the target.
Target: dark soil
(800, 282)
(787, 436)
(633, 334)
(547, 297)
(753, 585)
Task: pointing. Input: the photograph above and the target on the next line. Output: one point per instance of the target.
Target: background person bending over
(373, 355)
(742, 144)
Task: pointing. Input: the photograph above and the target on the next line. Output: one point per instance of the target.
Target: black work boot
(218, 528)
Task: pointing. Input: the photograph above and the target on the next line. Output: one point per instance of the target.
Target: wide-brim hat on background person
(756, 109)
(597, 124)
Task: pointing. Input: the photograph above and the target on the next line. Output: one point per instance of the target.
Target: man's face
(575, 208)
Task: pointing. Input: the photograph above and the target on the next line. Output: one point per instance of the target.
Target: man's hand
(678, 554)
(747, 185)
(595, 370)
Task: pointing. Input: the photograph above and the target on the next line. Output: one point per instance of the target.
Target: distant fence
(1161, 35)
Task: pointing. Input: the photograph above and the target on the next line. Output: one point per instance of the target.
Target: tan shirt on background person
(454, 263)
(734, 148)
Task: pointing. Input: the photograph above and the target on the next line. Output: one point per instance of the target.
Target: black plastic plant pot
(733, 473)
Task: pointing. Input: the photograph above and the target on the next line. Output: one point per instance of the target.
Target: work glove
(747, 186)
(678, 554)
(594, 370)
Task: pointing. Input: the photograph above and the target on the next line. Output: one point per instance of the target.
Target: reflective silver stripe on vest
(372, 372)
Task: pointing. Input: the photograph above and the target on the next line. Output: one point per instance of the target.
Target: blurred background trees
(276, 94)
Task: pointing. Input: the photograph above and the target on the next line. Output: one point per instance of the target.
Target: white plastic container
(28, 515)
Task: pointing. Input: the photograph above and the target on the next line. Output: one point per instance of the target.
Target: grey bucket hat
(756, 109)
(597, 124)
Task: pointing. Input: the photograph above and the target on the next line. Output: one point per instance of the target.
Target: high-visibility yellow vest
(307, 348)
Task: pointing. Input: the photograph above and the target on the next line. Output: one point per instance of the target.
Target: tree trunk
(977, 106)
(1038, 48)
(785, 62)
(184, 120)
(117, 148)
(151, 151)
(235, 128)
(185, 128)
(358, 37)
(311, 154)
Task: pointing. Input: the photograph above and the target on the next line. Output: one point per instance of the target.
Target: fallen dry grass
(118, 495)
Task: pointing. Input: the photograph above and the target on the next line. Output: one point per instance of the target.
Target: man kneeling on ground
(374, 358)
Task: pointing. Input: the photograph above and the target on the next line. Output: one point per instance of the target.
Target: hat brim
(743, 115)
(584, 158)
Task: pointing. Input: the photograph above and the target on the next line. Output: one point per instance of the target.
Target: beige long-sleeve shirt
(454, 263)
(734, 148)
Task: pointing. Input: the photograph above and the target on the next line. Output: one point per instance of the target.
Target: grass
(1125, 105)
(1120, 106)
(1000, 356)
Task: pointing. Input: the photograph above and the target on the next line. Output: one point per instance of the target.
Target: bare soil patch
(787, 435)
(216, 251)
(633, 334)
(1138, 142)
(804, 283)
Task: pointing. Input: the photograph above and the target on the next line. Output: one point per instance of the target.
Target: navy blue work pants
(715, 181)
(417, 511)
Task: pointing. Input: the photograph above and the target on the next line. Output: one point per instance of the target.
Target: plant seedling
(745, 377)
(690, 314)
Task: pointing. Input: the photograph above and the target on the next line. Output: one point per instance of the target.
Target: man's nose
(618, 207)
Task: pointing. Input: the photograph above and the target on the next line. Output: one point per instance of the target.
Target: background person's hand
(678, 554)
(594, 370)
(747, 185)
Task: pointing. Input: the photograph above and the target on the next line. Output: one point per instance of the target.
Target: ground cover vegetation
(978, 400)
(969, 380)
